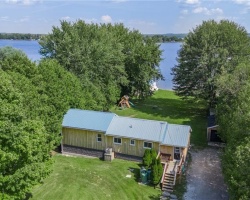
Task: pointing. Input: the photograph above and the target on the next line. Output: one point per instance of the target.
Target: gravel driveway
(204, 176)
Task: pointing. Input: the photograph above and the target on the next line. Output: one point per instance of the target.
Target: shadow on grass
(136, 172)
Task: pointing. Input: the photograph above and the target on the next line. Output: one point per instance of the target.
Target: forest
(85, 66)
(90, 66)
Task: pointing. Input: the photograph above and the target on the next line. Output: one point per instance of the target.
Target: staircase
(168, 181)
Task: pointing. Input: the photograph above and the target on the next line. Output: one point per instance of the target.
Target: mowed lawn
(76, 178)
(166, 106)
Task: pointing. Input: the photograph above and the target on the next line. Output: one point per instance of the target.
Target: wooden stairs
(169, 176)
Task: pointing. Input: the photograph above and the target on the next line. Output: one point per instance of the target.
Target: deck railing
(164, 172)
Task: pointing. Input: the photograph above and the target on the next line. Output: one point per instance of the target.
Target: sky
(148, 16)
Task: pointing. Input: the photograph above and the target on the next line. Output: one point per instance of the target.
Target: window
(99, 137)
(132, 142)
(117, 140)
(177, 150)
(148, 145)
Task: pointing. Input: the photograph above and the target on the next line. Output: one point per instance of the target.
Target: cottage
(131, 136)
(93, 131)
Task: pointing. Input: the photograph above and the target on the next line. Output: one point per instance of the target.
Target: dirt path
(204, 176)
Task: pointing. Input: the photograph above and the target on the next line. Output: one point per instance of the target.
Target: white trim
(147, 147)
(213, 126)
(130, 142)
(116, 142)
(98, 137)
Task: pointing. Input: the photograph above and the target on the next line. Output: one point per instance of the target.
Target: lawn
(90, 178)
(76, 178)
(166, 106)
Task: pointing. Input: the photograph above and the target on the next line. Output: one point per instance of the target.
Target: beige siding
(167, 150)
(184, 152)
(82, 138)
(126, 148)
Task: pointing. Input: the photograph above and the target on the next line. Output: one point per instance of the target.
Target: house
(96, 131)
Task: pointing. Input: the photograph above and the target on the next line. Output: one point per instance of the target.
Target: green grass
(90, 178)
(166, 106)
(87, 178)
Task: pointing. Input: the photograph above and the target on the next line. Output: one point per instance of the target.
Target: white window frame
(117, 138)
(131, 142)
(148, 143)
(177, 150)
(99, 136)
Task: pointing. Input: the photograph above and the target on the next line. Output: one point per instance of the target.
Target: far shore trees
(110, 60)
(207, 50)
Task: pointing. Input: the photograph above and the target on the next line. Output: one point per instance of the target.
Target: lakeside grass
(90, 178)
(164, 105)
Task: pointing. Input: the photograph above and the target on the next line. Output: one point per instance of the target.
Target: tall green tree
(24, 151)
(156, 171)
(233, 119)
(33, 100)
(209, 48)
(91, 52)
(142, 58)
(109, 59)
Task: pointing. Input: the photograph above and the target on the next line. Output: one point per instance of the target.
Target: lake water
(31, 48)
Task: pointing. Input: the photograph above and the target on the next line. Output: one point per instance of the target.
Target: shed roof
(177, 135)
(88, 120)
(137, 128)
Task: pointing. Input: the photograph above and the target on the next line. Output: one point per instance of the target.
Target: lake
(31, 48)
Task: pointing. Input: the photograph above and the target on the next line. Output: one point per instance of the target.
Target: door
(215, 137)
(177, 153)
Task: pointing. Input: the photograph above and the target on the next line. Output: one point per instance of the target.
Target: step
(169, 178)
(168, 186)
(168, 182)
(168, 190)
(169, 174)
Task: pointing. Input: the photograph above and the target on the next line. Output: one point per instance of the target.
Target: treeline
(213, 66)
(84, 66)
(20, 36)
(167, 37)
(110, 60)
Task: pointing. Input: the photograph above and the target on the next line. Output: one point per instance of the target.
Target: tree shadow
(136, 172)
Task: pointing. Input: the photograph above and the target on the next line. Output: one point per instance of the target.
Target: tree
(90, 52)
(156, 171)
(233, 118)
(109, 59)
(147, 158)
(209, 48)
(142, 58)
(24, 151)
(33, 101)
(59, 90)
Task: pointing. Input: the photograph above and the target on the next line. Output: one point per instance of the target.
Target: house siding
(167, 150)
(126, 148)
(82, 138)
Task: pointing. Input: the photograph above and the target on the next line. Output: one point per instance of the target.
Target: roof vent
(130, 126)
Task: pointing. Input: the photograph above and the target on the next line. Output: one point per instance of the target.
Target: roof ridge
(141, 119)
